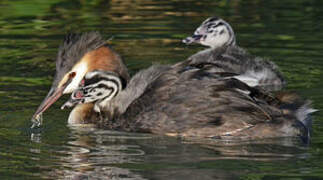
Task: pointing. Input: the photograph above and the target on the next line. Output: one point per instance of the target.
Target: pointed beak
(187, 68)
(53, 95)
(192, 39)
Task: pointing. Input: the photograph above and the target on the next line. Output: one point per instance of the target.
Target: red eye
(72, 74)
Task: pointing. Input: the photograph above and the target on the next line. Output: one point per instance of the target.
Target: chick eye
(200, 66)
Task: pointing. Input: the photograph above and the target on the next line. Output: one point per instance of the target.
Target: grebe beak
(53, 95)
(192, 39)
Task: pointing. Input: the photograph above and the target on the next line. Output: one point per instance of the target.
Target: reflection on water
(94, 153)
(146, 32)
(90, 152)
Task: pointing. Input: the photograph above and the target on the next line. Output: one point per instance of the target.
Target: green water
(145, 32)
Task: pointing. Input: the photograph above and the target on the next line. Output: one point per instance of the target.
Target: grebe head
(78, 55)
(213, 32)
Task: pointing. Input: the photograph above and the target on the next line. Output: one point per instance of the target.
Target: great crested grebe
(225, 55)
(78, 55)
(166, 100)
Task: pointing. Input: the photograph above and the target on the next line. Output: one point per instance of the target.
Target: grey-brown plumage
(255, 71)
(193, 103)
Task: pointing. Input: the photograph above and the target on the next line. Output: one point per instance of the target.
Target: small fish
(37, 121)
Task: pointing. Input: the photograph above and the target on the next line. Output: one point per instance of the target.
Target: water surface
(147, 32)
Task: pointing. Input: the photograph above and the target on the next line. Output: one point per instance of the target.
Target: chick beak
(53, 95)
(192, 39)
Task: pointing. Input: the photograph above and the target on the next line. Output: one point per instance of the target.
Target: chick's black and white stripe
(217, 26)
(98, 87)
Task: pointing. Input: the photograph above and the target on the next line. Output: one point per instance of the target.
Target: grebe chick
(162, 100)
(226, 56)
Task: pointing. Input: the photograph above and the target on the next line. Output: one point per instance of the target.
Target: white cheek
(216, 40)
(80, 71)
